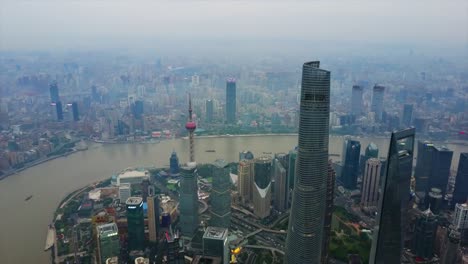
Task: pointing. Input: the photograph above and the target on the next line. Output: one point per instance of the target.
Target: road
(265, 247)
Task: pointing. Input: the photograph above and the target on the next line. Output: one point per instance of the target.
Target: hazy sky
(50, 24)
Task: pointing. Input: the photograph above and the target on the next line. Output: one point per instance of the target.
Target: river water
(23, 224)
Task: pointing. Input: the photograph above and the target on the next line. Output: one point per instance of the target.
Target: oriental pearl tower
(191, 126)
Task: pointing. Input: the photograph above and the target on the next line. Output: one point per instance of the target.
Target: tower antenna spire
(191, 126)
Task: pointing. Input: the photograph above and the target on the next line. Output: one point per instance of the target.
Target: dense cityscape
(250, 132)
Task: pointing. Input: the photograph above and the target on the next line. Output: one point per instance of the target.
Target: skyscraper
(356, 100)
(432, 167)
(281, 186)
(174, 164)
(221, 195)
(59, 110)
(76, 114)
(440, 173)
(460, 193)
(108, 244)
(306, 220)
(328, 212)
(153, 217)
(188, 206)
(389, 232)
(350, 171)
(215, 243)
(54, 92)
(209, 110)
(450, 247)
(424, 235)
(372, 151)
(261, 189)
(460, 219)
(246, 155)
(244, 184)
(377, 101)
(292, 168)
(370, 184)
(407, 115)
(136, 223)
(231, 101)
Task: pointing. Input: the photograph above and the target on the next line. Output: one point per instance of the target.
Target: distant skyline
(191, 25)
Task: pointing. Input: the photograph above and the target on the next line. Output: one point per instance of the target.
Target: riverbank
(37, 162)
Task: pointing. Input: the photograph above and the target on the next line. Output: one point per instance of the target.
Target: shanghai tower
(306, 220)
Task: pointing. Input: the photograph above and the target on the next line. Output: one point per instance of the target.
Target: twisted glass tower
(306, 220)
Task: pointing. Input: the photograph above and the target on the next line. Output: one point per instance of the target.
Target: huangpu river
(23, 224)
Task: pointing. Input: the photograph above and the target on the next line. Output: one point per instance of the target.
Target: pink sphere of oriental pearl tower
(191, 126)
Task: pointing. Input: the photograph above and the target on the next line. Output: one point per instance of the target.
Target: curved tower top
(306, 220)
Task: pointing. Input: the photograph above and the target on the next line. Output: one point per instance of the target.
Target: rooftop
(216, 233)
(107, 230)
(133, 173)
(134, 201)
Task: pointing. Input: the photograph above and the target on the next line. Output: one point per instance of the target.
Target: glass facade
(188, 206)
(387, 245)
(306, 221)
(231, 101)
(221, 195)
(136, 223)
(350, 172)
(460, 193)
(108, 241)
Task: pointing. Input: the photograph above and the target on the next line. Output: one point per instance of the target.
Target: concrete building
(246, 155)
(108, 244)
(391, 224)
(189, 200)
(450, 248)
(370, 185)
(221, 195)
(306, 221)
(378, 102)
(136, 223)
(215, 243)
(261, 189)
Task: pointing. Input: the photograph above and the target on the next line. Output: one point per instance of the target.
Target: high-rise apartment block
(306, 221)
(387, 245)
